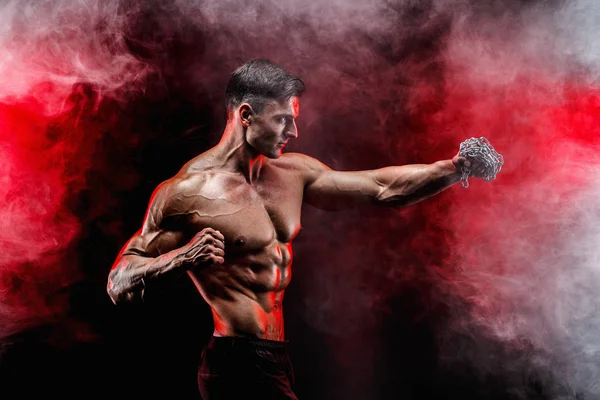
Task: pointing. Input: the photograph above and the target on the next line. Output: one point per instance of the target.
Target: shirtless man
(229, 216)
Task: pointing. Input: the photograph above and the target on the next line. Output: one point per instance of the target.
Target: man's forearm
(408, 184)
(127, 280)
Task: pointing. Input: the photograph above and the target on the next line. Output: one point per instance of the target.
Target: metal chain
(481, 152)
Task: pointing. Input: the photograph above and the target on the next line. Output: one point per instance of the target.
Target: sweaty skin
(230, 215)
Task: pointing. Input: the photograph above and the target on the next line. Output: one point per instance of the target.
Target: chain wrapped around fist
(480, 153)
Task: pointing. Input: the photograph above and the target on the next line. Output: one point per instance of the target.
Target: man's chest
(249, 216)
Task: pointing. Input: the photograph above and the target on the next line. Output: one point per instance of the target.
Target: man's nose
(292, 131)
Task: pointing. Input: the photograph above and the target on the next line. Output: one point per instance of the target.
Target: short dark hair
(260, 81)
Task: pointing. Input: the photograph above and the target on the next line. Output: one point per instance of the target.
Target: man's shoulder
(202, 165)
(183, 182)
(175, 191)
(299, 162)
(177, 195)
(193, 175)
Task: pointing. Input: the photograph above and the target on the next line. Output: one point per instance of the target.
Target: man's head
(263, 97)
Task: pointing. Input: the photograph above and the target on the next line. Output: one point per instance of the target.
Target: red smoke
(578, 118)
(61, 59)
(36, 226)
(511, 274)
(44, 162)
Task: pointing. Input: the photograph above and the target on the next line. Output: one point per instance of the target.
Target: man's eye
(283, 120)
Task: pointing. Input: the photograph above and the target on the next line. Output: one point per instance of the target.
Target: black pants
(240, 368)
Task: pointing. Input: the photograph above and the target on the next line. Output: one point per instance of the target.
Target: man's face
(270, 130)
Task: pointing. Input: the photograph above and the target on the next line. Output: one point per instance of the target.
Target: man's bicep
(336, 190)
(158, 234)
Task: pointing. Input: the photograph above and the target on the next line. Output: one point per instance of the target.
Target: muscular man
(229, 216)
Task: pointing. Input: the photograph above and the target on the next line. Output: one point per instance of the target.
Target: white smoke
(62, 43)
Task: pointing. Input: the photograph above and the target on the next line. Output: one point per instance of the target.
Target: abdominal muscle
(246, 293)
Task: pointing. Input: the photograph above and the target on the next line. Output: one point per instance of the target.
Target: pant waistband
(237, 341)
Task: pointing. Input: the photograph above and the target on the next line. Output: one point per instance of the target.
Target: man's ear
(246, 114)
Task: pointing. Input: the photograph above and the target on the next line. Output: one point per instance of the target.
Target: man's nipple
(240, 241)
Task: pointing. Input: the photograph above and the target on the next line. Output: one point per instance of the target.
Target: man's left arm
(390, 186)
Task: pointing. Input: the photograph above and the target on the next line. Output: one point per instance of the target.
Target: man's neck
(236, 155)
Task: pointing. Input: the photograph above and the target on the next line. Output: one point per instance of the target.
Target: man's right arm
(154, 251)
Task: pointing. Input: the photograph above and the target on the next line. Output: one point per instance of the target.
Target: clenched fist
(206, 248)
